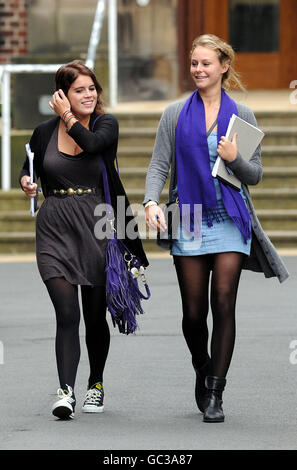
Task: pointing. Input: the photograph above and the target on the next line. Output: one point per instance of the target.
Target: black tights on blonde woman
(213, 279)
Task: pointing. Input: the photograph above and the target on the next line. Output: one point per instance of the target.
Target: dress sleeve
(161, 159)
(105, 134)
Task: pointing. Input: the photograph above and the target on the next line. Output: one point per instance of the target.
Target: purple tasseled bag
(123, 295)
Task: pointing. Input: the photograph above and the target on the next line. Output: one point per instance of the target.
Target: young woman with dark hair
(66, 159)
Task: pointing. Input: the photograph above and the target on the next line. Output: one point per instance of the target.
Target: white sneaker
(63, 408)
(94, 399)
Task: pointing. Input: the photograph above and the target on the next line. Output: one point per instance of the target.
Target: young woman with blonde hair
(190, 136)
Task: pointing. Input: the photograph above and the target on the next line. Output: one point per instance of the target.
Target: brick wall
(13, 29)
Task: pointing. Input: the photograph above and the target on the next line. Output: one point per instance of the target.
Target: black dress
(103, 141)
(66, 245)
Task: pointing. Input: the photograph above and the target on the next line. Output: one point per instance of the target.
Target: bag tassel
(122, 292)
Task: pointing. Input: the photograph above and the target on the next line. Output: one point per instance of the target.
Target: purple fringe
(244, 227)
(213, 214)
(122, 293)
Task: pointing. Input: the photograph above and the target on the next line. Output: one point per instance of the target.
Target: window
(254, 25)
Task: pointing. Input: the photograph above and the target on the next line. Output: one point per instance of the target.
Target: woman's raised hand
(227, 149)
(60, 103)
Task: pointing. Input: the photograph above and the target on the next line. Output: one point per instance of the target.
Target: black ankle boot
(201, 392)
(214, 412)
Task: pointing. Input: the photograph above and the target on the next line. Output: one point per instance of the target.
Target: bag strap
(110, 213)
(116, 157)
(212, 127)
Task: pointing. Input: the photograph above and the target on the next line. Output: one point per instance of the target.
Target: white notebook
(248, 139)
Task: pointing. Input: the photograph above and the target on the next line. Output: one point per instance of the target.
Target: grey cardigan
(264, 257)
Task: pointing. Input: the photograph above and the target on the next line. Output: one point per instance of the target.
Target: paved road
(149, 381)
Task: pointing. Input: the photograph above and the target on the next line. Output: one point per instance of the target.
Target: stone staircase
(275, 198)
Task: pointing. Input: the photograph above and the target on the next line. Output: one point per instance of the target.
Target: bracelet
(150, 203)
(67, 120)
(65, 112)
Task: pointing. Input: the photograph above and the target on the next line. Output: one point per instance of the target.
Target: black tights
(193, 274)
(64, 297)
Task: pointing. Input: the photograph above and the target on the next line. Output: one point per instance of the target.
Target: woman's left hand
(228, 150)
(60, 103)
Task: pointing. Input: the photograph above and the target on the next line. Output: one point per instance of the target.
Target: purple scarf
(194, 180)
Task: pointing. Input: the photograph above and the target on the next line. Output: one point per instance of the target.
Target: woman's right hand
(155, 219)
(28, 187)
(60, 103)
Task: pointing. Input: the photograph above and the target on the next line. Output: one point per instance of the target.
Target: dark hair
(68, 73)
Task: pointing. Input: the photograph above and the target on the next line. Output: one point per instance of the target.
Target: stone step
(17, 242)
(133, 177)
(278, 219)
(138, 119)
(145, 136)
(276, 198)
(279, 155)
(276, 118)
(279, 177)
(16, 221)
(264, 198)
(136, 146)
(137, 136)
(273, 177)
(283, 238)
(151, 118)
(274, 135)
(272, 155)
(271, 219)
(280, 135)
(15, 199)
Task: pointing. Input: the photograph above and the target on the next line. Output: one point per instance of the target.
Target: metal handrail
(95, 34)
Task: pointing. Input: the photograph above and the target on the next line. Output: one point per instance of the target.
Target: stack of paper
(31, 158)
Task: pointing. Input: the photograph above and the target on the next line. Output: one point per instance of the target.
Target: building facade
(13, 29)
(262, 32)
(154, 40)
